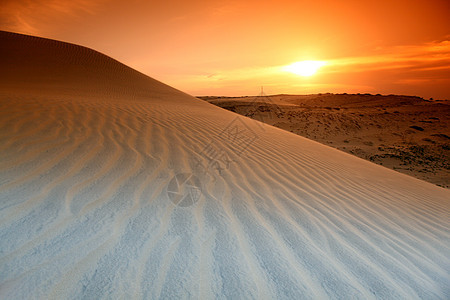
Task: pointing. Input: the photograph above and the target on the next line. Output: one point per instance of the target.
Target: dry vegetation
(404, 133)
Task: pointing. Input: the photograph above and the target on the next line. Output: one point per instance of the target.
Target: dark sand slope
(114, 185)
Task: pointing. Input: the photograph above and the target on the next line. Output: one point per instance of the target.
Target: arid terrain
(404, 133)
(114, 185)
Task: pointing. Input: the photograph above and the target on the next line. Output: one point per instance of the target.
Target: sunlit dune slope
(114, 185)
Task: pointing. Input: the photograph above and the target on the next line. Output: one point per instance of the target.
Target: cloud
(429, 57)
(32, 16)
(413, 69)
(426, 57)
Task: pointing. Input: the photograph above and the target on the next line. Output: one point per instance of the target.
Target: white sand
(88, 153)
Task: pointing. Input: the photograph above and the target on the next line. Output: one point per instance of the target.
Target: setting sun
(304, 68)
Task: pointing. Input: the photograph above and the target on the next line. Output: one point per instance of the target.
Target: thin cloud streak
(426, 57)
(32, 16)
(400, 57)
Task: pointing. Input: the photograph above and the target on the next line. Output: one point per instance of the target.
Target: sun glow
(304, 68)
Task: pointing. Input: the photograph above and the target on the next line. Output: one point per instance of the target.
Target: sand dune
(114, 185)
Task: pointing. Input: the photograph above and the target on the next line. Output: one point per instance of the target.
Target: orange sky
(227, 47)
